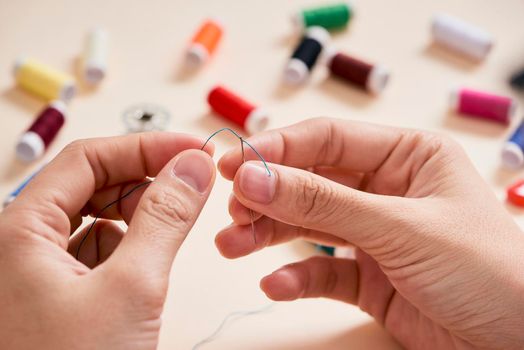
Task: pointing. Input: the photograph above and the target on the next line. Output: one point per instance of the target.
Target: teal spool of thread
(333, 16)
(328, 250)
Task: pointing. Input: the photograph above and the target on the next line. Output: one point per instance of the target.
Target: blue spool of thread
(12, 196)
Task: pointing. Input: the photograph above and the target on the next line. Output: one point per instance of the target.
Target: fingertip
(227, 244)
(225, 165)
(282, 285)
(235, 241)
(196, 168)
(232, 205)
(240, 214)
(209, 148)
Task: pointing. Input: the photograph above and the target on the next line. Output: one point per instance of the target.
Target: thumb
(164, 216)
(303, 199)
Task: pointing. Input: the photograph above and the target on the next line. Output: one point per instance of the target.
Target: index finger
(65, 185)
(355, 146)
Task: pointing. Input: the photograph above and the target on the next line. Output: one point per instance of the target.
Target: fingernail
(193, 168)
(256, 184)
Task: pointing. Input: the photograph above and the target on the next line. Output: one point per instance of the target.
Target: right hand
(438, 261)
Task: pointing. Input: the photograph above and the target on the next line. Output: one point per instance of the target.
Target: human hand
(438, 260)
(113, 296)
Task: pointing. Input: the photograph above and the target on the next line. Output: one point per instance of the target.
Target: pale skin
(112, 297)
(438, 260)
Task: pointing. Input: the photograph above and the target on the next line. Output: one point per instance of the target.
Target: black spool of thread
(517, 80)
(306, 55)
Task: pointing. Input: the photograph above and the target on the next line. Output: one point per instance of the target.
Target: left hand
(113, 296)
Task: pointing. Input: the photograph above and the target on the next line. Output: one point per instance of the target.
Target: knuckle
(76, 146)
(434, 143)
(440, 148)
(321, 120)
(313, 198)
(169, 208)
(447, 144)
(151, 295)
(324, 283)
(315, 123)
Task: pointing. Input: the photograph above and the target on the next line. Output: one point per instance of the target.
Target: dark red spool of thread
(370, 77)
(42, 132)
(48, 124)
(236, 109)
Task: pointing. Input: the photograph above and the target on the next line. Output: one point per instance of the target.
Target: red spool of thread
(483, 105)
(239, 111)
(515, 193)
(42, 132)
(372, 78)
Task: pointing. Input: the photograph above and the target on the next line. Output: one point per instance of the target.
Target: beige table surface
(147, 42)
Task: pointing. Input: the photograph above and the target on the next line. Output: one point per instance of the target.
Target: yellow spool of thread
(43, 80)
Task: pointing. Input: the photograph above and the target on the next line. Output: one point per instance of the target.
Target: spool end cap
(94, 74)
(68, 91)
(454, 98)
(19, 62)
(296, 72)
(378, 79)
(30, 147)
(512, 156)
(319, 34)
(197, 55)
(256, 121)
(60, 106)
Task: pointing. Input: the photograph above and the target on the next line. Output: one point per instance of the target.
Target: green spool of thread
(330, 17)
(328, 250)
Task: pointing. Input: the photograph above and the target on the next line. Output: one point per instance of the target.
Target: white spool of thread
(461, 36)
(95, 56)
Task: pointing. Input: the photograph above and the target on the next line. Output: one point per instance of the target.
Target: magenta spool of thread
(42, 132)
(483, 105)
(372, 78)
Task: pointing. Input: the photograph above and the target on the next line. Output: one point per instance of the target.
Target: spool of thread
(338, 252)
(204, 42)
(43, 80)
(517, 80)
(305, 55)
(372, 78)
(94, 62)
(461, 36)
(513, 149)
(482, 105)
(332, 16)
(325, 249)
(42, 132)
(345, 252)
(515, 193)
(12, 196)
(239, 111)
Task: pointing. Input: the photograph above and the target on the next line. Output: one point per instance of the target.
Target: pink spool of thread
(42, 132)
(483, 105)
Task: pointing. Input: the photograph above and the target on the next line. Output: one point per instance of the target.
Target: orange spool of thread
(204, 42)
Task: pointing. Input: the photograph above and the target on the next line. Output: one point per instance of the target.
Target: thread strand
(128, 193)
